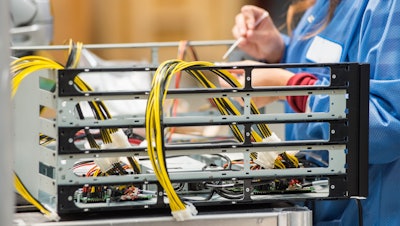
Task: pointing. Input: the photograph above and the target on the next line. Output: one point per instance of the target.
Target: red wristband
(298, 103)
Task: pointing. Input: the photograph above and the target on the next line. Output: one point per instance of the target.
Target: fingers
(251, 14)
(247, 20)
(240, 28)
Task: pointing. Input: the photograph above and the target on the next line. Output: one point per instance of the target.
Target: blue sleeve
(376, 40)
(286, 40)
(379, 45)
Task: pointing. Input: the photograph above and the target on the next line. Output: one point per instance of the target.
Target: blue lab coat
(360, 31)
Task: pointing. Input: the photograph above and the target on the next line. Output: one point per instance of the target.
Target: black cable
(228, 160)
(133, 165)
(209, 196)
(71, 57)
(225, 193)
(89, 135)
(360, 212)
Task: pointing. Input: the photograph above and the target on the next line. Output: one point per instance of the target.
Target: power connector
(185, 214)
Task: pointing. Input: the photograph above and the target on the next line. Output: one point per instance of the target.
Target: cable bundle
(21, 68)
(24, 66)
(155, 129)
(154, 116)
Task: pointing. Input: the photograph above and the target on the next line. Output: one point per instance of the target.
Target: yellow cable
(28, 197)
(155, 135)
(21, 68)
(154, 129)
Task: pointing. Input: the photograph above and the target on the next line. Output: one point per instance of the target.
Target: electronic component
(68, 174)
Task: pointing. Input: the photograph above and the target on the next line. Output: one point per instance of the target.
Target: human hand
(263, 41)
(260, 78)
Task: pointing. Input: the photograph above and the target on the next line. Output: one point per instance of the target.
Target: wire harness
(154, 118)
(23, 67)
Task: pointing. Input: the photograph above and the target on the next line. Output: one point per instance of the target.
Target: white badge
(324, 51)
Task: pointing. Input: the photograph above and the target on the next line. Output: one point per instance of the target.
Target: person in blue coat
(339, 31)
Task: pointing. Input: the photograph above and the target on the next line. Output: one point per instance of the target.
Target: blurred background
(138, 21)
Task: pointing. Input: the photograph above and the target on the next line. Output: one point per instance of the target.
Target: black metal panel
(351, 131)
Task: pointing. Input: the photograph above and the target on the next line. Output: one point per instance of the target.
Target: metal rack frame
(55, 184)
(154, 47)
(6, 155)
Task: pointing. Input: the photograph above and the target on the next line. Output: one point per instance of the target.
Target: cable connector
(267, 159)
(52, 216)
(185, 214)
(119, 139)
(272, 138)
